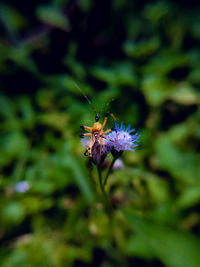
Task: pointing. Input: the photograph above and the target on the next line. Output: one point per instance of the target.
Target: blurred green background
(146, 56)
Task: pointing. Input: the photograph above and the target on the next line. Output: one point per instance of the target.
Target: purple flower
(121, 139)
(22, 187)
(117, 141)
(118, 165)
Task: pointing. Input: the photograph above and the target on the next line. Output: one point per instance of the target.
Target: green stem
(108, 206)
(109, 170)
(103, 189)
(101, 184)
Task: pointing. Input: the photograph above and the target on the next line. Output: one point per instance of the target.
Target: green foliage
(53, 16)
(173, 247)
(141, 63)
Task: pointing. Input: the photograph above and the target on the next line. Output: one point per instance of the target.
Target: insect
(97, 133)
(96, 144)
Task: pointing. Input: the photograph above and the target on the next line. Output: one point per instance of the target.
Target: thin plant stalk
(102, 187)
(109, 170)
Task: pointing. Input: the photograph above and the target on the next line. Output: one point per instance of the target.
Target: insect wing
(96, 152)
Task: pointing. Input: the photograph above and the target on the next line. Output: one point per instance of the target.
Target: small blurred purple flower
(121, 139)
(118, 165)
(22, 187)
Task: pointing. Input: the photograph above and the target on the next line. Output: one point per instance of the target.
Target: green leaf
(12, 19)
(81, 179)
(181, 164)
(175, 248)
(154, 89)
(158, 190)
(13, 212)
(141, 49)
(189, 197)
(184, 93)
(119, 74)
(53, 16)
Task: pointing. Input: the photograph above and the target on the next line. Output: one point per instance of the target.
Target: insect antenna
(90, 103)
(106, 107)
(88, 100)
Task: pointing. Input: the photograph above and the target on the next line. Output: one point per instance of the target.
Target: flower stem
(102, 187)
(109, 170)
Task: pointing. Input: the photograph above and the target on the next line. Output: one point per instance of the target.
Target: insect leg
(106, 118)
(89, 149)
(107, 131)
(86, 153)
(84, 134)
(86, 128)
(105, 137)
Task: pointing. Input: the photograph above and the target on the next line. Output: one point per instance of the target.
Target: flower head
(117, 141)
(22, 187)
(120, 139)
